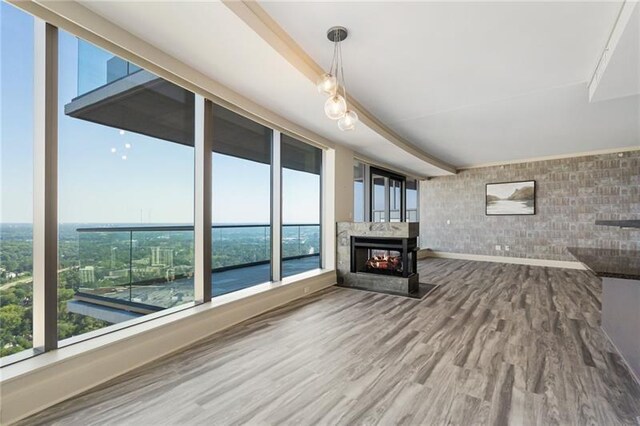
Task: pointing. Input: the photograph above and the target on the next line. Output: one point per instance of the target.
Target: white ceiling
(621, 77)
(469, 83)
(213, 40)
(474, 83)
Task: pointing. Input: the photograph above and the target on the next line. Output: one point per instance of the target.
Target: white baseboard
(34, 384)
(423, 254)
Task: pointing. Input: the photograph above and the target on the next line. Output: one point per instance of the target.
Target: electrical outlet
(498, 247)
(448, 222)
(506, 248)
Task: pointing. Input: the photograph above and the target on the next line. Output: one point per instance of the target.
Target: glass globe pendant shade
(327, 84)
(335, 107)
(348, 121)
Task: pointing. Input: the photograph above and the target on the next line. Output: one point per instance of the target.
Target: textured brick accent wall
(570, 195)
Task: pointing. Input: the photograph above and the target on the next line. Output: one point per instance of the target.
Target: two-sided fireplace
(384, 256)
(379, 256)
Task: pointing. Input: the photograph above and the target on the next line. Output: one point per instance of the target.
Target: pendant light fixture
(332, 83)
(335, 107)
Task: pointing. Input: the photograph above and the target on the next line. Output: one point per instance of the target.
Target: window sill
(31, 361)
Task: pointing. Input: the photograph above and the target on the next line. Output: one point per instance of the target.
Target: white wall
(344, 184)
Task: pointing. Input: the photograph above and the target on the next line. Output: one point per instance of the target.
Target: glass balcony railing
(241, 245)
(145, 265)
(97, 67)
(300, 240)
(152, 266)
(412, 215)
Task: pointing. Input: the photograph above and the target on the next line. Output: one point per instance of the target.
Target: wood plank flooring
(495, 344)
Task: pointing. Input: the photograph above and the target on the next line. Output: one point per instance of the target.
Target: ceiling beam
(624, 26)
(267, 28)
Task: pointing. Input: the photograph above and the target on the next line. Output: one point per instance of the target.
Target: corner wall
(344, 184)
(571, 194)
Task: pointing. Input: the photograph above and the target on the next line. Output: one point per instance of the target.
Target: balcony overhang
(141, 103)
(145, 104)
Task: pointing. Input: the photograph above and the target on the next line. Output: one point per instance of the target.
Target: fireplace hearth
(378, 256)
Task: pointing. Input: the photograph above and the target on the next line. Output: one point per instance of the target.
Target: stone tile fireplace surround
(357, 243)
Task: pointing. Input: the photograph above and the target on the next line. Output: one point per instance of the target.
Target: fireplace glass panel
(383, 256)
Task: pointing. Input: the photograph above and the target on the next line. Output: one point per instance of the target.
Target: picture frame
(514, 198)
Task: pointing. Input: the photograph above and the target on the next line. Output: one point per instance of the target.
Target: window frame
(417, 189)
(388, 175)
(321, 203)
(369, 171)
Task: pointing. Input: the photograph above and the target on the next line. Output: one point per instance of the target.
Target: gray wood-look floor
(495, 344)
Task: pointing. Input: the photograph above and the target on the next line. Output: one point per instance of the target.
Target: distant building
(114, 255)
(161, 256)
(170, 274)
(118, 274)
(87, 275)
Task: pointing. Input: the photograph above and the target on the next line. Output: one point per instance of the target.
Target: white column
(203, 198)
(45, 187)
(276, 208)
(328, 214)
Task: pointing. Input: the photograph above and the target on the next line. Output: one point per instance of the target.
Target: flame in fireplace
(393, 263)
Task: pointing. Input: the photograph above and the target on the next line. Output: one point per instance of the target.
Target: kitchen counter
(620, 274)
(611, 263)
(619, 223)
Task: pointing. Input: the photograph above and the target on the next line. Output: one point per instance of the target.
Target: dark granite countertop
(609, 262)
(620, 223)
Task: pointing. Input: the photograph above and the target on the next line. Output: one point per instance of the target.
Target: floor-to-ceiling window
(395, 200)
(16, 180)
(125, 199)
(411, 200)
(383, 197)
(387, 196)
(123, 179)
(241, 210)
(301, 203)
(378, 198)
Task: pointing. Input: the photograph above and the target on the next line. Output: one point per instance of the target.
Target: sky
(16, 86)
(154, 184)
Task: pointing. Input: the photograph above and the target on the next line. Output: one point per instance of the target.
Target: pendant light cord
(344, 83)
(335, 56)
